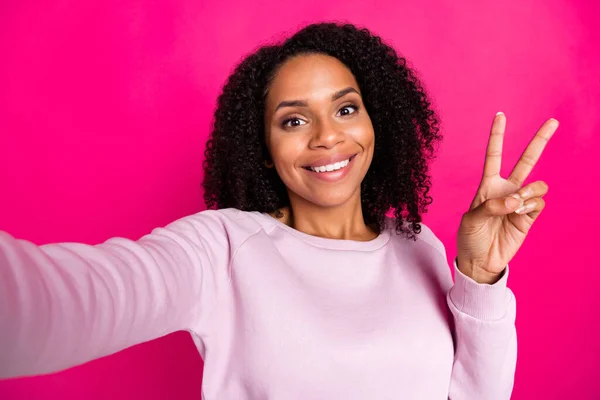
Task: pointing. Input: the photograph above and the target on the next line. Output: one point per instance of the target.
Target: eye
(347, 107)
(296, 122)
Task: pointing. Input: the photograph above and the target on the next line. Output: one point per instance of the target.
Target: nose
(326, 135)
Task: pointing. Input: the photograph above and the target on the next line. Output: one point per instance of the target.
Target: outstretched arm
(64, 304)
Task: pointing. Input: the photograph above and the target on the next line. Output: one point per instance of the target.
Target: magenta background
(105, 108)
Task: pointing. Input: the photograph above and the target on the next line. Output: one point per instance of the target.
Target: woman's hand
(495, 226)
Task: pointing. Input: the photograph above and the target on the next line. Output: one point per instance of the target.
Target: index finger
(532, 153)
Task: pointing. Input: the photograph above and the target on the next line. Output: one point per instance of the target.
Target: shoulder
(215, 234)
(428, 236)
(427, 254)
(426, 239)
(227, 227)
(227, 222)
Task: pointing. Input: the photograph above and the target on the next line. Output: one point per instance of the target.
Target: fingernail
(499, 112)
(512, 202)
(522, 210)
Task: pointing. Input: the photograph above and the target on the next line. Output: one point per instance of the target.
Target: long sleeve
(64, 304)
(485, 336)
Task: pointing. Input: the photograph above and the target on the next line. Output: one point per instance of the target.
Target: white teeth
(331, 167)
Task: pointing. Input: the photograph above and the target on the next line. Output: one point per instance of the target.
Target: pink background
(105, 107)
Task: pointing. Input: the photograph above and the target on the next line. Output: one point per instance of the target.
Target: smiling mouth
(331, 167)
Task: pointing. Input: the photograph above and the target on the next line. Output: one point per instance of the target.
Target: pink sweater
(274, 312)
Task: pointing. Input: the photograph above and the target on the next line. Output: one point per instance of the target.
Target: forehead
(310, 76)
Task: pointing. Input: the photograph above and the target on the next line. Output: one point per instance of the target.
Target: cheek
(286, 150)
(362, 134)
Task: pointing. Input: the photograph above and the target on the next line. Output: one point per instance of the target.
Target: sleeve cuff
(480, 300)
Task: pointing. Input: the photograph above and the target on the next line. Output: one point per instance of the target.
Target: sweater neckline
(329, 243)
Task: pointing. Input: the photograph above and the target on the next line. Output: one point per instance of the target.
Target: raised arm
(485, 336)
(64, 304)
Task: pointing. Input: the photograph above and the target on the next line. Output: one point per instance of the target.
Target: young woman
(300, 284)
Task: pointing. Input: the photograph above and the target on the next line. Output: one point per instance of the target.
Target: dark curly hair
(405, 125)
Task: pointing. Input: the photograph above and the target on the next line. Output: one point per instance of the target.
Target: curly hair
(405, 125)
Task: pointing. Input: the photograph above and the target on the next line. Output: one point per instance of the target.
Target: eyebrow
(304, 103)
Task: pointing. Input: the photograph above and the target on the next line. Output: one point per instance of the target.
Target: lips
(329, 160)
(333, 176)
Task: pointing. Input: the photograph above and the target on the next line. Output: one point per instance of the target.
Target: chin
(328, 198)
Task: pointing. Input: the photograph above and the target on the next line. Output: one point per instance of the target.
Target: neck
(344, 221)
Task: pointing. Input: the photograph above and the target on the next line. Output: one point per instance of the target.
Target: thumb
(498, 207)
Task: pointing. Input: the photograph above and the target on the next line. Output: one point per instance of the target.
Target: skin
(322, 127)
(491, 231)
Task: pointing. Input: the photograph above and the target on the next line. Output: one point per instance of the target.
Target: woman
(298, 285)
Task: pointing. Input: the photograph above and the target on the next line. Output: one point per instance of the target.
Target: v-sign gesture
(503, 211)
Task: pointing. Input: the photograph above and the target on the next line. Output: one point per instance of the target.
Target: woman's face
(318, 132)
